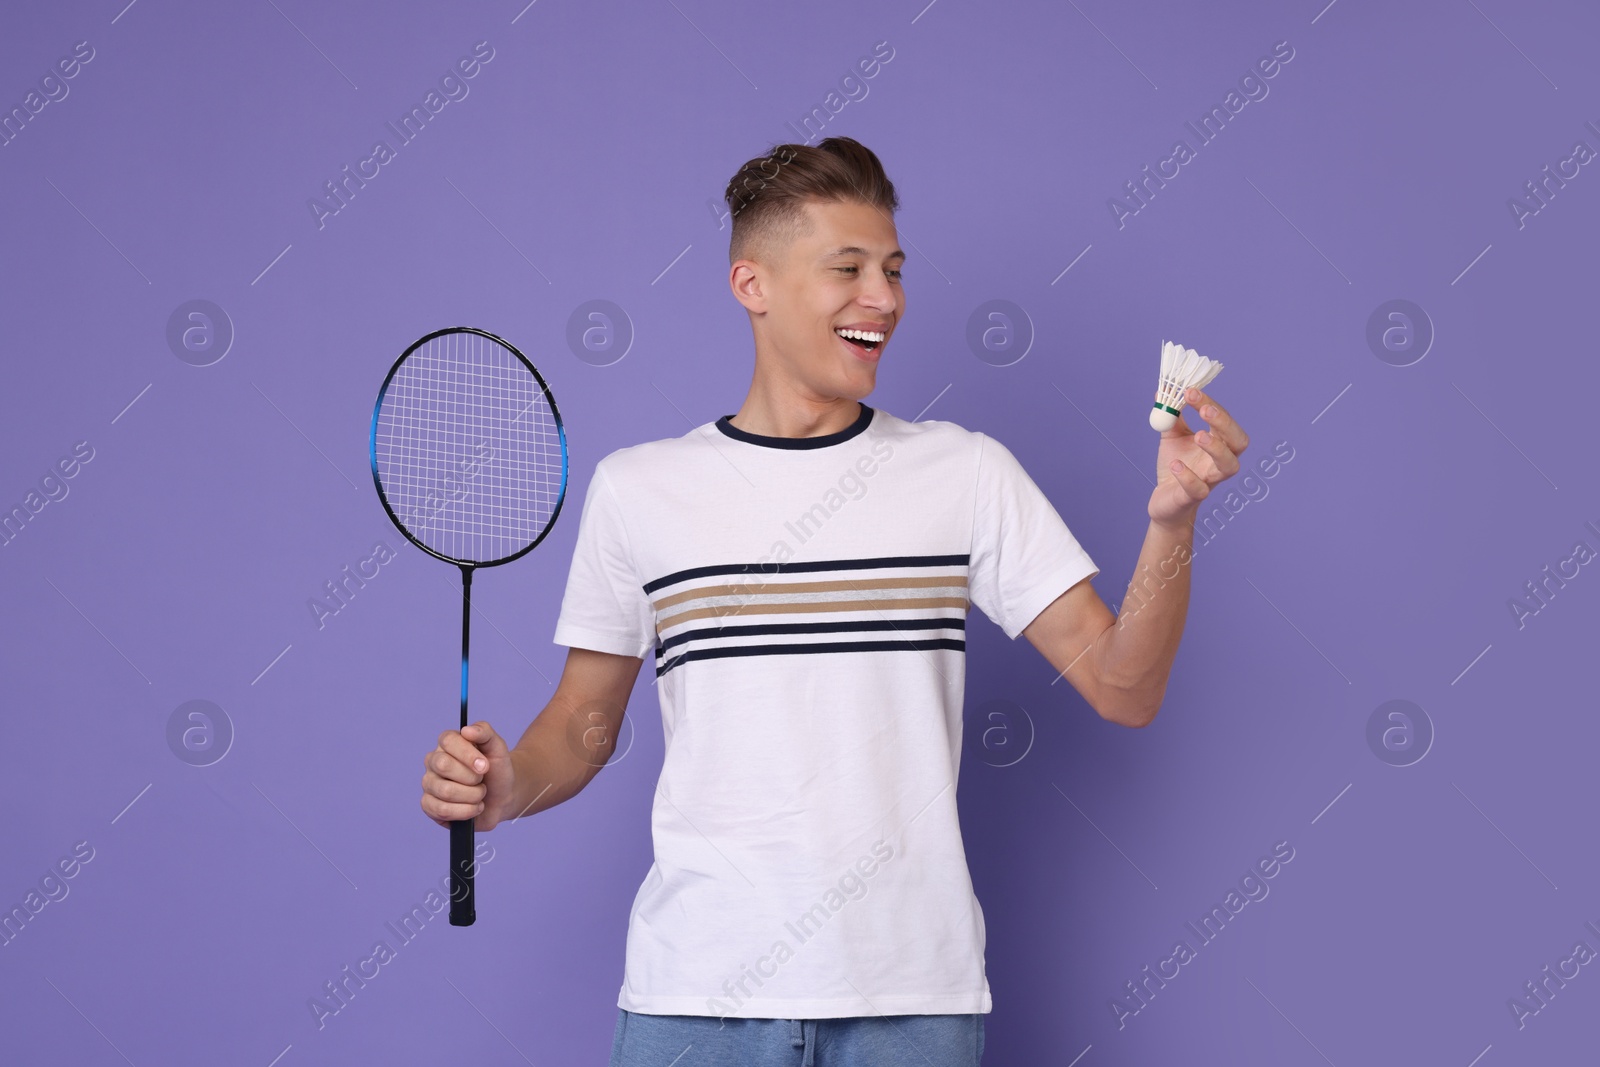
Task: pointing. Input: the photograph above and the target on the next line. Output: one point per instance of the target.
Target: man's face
(845, 273)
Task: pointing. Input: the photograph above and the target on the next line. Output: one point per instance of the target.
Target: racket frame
(372, 445)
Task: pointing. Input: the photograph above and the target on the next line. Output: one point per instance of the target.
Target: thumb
(1194, 486)
(1177, 429)
(487, 741)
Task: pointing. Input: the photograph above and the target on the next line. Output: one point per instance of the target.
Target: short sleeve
(1023, 555)
(605, 607)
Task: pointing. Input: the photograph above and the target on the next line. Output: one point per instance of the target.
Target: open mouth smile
(864, 343)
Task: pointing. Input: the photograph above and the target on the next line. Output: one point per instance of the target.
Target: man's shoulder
(940, 429)
(652, 457)
(937, 439)
(981, 453)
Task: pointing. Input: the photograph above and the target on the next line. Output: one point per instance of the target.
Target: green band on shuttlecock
(1163, 407)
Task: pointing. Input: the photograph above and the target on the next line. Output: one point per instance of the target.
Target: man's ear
(748, 281)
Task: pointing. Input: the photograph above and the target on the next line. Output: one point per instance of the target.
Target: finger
(452, 792)
(1225, 425)
(464, 745)
(449, 810)
(1223, 462)
(1191, 483)
(445, 813)
(456, 759)
(482, 734)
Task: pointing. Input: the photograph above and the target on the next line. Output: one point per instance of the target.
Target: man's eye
(844, 268)
(895, 273)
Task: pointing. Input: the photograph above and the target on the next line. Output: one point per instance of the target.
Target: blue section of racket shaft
(463, 908)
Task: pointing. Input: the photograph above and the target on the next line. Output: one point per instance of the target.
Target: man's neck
(759, 414)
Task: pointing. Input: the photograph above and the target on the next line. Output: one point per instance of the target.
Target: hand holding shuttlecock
(1190, 463)
(1181, 369)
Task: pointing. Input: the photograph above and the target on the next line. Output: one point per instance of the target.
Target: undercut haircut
(768, 194)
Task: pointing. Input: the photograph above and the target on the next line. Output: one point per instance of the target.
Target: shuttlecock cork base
(1181, 368)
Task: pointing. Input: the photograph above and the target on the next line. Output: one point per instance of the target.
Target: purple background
(1378, 565)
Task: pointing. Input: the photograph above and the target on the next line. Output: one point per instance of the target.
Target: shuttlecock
(1181, 368)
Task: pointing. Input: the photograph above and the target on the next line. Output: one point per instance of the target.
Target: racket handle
(463, 910)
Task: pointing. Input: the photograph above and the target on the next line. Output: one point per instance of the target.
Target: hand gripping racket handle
(463, 908)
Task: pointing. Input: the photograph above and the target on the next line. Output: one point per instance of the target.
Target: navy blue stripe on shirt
(758, 629)
(721, 651)
(807, 567)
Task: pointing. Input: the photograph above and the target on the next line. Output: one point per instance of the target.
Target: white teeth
(862, 335)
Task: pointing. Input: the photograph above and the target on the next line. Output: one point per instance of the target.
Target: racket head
(467, 447)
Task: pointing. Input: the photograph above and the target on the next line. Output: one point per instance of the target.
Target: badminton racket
(469, 458)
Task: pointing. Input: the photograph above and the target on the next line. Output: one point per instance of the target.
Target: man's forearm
(548, 770)
(1136, 653)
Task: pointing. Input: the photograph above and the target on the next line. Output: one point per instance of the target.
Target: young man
(799, 574)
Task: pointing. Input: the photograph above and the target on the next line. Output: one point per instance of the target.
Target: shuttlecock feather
(1181, 368)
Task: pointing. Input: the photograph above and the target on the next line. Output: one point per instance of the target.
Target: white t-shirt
(803, 602)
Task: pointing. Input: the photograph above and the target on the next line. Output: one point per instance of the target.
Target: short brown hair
(767, 195)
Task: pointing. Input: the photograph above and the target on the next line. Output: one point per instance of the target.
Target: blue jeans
(860, 1041)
